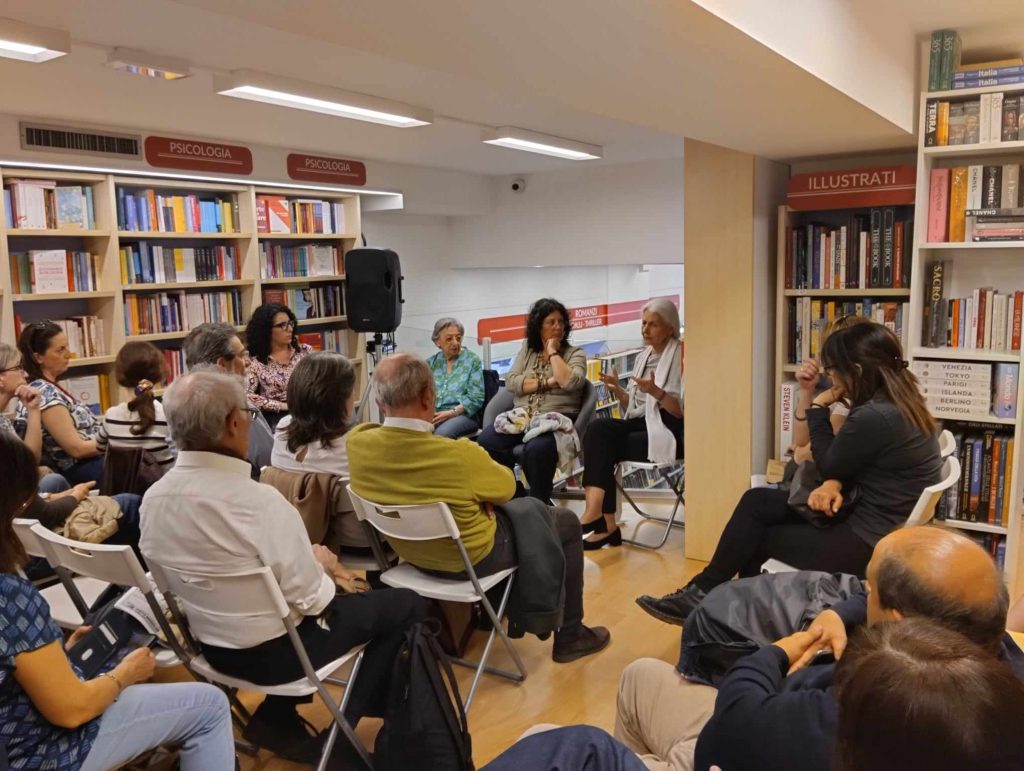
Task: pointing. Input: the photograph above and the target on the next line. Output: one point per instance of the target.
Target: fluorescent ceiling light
(285, 92)
(533, 142)
(29, 43)
(148, 65)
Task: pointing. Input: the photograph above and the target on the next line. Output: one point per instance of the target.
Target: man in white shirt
(207, 515)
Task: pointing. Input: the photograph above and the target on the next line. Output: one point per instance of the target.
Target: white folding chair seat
(434, 521)
(301, 687)
(677, 486)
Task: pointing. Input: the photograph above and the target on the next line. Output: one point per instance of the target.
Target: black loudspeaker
(373, 290)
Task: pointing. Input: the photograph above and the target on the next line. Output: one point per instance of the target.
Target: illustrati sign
(319, 168)
(852, 188)
(197, 155)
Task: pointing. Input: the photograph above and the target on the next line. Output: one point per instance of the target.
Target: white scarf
(661, 442)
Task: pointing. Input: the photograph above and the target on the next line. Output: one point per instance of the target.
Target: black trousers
(379, 618)
(610, 441)
(763, 526)
(539, 457)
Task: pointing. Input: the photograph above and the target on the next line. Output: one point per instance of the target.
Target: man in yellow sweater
(402, 462)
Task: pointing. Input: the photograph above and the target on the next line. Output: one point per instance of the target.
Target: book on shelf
(174, 364)
(86, 334)
(279, 214)
(145, 263)
(985, 320)
(333, 340)
(149, 210)
(53, 271)
(975, 203)
(45, 204)
(809, 316)
(309, 302)
(1004, 392)
(983, 494)
(790, 391)
(179, 311)
(943, 60)
(93, 390)
(281, 261)
(984, 119)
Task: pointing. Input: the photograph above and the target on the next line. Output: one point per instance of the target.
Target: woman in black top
(887, 449)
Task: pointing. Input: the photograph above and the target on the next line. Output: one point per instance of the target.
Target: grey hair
(401, 379)
(9, 355)
(442, 323)
(197, 405)
(667, 311)
(207, 343)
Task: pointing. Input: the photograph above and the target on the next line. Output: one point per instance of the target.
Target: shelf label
(852, 188)
(320, 168)
(197, 155)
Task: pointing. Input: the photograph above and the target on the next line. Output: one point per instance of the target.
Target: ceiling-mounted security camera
(518, 185)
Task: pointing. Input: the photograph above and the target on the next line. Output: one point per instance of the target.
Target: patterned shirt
(5, 426)
(87, 424)
(266, 385)
(463, 385)
(32, 740)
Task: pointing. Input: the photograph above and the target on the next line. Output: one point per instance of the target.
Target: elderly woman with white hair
(651, 427)
(458, 379)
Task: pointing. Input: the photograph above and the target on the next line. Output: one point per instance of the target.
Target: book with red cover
(938, 206)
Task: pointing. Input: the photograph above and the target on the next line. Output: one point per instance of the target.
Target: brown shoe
(581, 642)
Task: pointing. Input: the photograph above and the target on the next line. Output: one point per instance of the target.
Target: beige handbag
(94, 520)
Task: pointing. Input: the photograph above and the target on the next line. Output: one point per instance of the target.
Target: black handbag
(806, 480)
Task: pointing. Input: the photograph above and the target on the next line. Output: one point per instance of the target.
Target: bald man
(761, 719)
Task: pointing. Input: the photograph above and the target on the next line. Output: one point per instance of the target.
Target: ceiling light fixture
(29, 43)
(545, 144)
(148, 65)
(285, 92)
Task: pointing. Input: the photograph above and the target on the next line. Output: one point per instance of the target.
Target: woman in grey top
(548, 375)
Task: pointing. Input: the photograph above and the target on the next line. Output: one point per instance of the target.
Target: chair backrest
(130, 470)
(924, 510)
(588, 406)
(107, 562)
(492, 385)
(316, 511)
(499, 403)
(947, 443)
(421, 522)
(23, 529)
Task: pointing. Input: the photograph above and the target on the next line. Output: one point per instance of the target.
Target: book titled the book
(1004, 397)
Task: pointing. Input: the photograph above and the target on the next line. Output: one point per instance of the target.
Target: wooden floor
(580, 692)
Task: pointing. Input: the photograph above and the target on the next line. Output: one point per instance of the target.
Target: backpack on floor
(424, 722)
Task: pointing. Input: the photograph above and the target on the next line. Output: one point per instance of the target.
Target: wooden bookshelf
(52, 296)
(992, 264)
(323, 321)
(301, 280)
(846, 293)
(157, 235)
(59, 232)
(176, 285)
(306, 236)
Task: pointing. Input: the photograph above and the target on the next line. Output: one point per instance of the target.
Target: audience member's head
(21, 479)
(930, 572)
(206, 411)
(915, 694)
(215, 344)
(866, 360)
(12, 372)
(447, 336)
(547, 318)
(405, 387)
(840, 323)
(271, 326)
(666, 312)
(139, 366)
(321, 391)
(41, 350)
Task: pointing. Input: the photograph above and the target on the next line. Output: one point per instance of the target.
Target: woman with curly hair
(274, 351)
(548, 375)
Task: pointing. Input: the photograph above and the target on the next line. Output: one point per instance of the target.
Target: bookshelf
(109, 233)
(968, 265)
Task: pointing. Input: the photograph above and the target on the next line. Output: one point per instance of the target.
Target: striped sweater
(116, 432)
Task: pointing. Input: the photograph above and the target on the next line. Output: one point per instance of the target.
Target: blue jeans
(460, 425)
(53, 483)
(88, 470)
(128, 526)
(574, 748)
(194, 716)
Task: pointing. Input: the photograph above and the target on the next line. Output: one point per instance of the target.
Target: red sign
(852, 188)
(196, 155)
(503, 329)
(319, 168)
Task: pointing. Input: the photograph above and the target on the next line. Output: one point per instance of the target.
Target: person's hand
(342, 573)
(833, 637)
(136, 667)
(550, 383)
(29, 397)
(612, 379)
(327, 558)
(646, 385)
(78, 492)
(441, 417)
(77, 635)
(829, 396)
(808, 374)
(826, 499)
(552, 346)
(802, 453)
(797, 645)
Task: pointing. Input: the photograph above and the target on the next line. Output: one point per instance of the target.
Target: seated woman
(54, 719)
(651, 427)
(69, 426)
(274, 350)
(458, 380)
(548, 375)
(883, 457)
(321, 394)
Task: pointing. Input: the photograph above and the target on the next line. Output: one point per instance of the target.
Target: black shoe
(673, 608)
(286, 734)
(597, 526)
(584, 641)
(614, 538)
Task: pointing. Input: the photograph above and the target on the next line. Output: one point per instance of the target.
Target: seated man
(923, 571)
(402, 462)
(207, 515)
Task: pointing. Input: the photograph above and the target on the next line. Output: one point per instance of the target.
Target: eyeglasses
(284, 325)
(19, 367)
(253, 413)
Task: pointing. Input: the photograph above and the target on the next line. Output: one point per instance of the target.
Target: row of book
(984, 493)
(870, 251)
(808, 317)
(145, 263)
(43, 204)
(53, 271)
(944, 59)
(93, 390)
(333, 340)
(975, 203)
(174, 364)
(277, 261)
(962, 390)
(86, 334)
(148, 210)
(988, 119)
(146, 314)
(604, 398)
(986, 320)
(309, 302)
(278, 214)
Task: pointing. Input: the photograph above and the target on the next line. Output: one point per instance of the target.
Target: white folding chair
(434, 521)
(924, 509)
(70, 599)
(677, 484)
(245, 595)
(947, 443)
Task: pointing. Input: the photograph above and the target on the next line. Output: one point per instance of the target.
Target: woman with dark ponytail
(872, 471)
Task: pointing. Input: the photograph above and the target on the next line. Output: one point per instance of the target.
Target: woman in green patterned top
(458, 379)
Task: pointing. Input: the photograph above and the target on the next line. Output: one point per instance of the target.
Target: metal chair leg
(338, 713)
(670, 522)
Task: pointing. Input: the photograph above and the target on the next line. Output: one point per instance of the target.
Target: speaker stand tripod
(374, 350)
